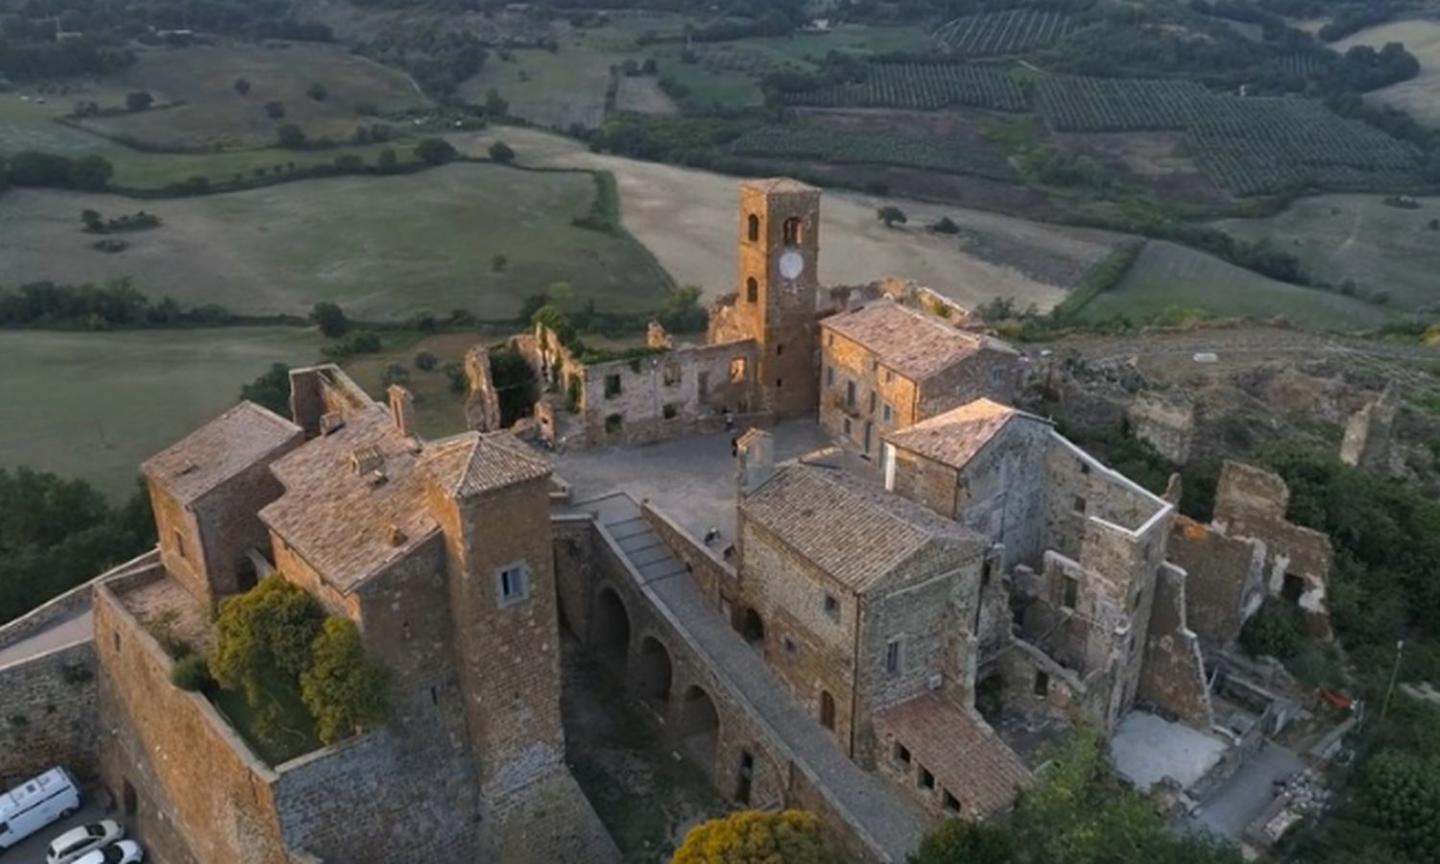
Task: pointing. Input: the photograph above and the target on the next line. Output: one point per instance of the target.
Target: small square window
(901, 753)
(951, 803)
(779, 349)
(614, 424)
(612, 386)
(927, 780)
(892, 657)
(779, 382)
(737, 370)
(832, 606)
(886, 412)
(791, 648)
(672, 374)
(1042, 684)
(669, 411)
(514, 583)
(1079, 504)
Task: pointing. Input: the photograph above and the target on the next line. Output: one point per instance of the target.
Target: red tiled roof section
(912, 343)
(471, 463)
(219, 450)
(967, 757)
(953, 438)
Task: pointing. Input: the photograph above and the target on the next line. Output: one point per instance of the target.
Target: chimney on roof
(402, 409)
(756, 452)
(397, 535)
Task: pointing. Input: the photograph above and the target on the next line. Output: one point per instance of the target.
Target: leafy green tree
(331, 320)
(435, 151)
(945, 225)
(90, 173)
(242, 86)
(93, 223)
(387, 162)
(502, 153)
(275, 110)
(681, 311)
(891, 215)
(289, 135)
(757, 837)
(317, 92)
(1274, 630)
(425, 361)
(1400, 796)
(957, 841)
(495, 106)
(343, 689)
(271, 390)
(138, 100)
(498, 262)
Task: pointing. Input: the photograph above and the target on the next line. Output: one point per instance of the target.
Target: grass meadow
(1360, 238)
(1166, 276)
(215, 116)
(95, 405)
(381, 247)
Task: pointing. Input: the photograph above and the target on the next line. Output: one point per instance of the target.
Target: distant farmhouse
(903, 622)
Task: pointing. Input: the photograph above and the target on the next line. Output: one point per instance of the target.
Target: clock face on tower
(791, 264)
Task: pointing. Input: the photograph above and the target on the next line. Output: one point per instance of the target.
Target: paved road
(67, 631)
(869, 802)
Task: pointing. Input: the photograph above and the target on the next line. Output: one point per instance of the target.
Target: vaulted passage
(610, 630)
(699, 728)
(654, 672)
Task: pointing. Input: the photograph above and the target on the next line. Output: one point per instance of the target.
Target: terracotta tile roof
(345, 521)
(912, 343)
(855, 531)
(953, 438)
(967, 757)
(471, 463)
(219, 450)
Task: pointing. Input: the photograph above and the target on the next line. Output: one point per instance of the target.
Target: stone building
(1073, 553)
(886, 366)
(864, 604)
(440, 552)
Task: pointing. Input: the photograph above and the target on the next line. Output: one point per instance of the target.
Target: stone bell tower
(779, 257)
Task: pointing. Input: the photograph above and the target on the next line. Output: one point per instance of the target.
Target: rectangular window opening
(1042, 684)
(892, 657)
(514, 583)
(832, 606)
(927, 780)
(612, 386)
(951, 803)
(1072, 593)
(902, 753)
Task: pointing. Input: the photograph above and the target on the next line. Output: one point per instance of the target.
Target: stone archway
(699, 728)
(610, 627)
(654, 672)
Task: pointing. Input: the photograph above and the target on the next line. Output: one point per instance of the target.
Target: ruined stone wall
(990, 373)
(1166, 425)
(201, 796)
(844, 361)
(1225, 581)
(1004, 493)
(668, 394)
(1173, 675)
(811, 649)
(482, 402)
(48, 714)
(1251, 502)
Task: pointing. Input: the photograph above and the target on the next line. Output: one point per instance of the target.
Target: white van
(35, 804)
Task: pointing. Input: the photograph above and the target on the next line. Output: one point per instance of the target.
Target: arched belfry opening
(753, 229)
(793, 231)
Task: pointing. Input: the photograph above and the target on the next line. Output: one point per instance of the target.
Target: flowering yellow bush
(757, 837)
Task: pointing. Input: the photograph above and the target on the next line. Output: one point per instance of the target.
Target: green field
(1167, 276)
(214, 116)
(1358, 237)
(555, 90)
(27, 124)
(95, 405)
(381, 247)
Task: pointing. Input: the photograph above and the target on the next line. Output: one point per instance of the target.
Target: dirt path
(688, 219)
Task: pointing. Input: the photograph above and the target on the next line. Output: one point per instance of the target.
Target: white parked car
(69, 846)
(124, 852)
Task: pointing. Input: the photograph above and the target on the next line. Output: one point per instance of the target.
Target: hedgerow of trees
(56, 534)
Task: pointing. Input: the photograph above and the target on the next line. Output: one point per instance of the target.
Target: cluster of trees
(98, 307)
(56, 534)
(438, 57)
(33, 168)
(99, 31)
(276, 646)
(139, 221)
